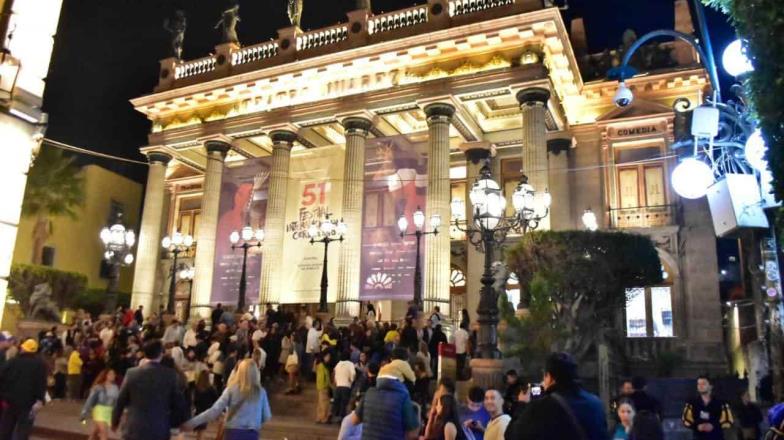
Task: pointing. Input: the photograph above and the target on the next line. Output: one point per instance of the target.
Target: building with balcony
(376, 116)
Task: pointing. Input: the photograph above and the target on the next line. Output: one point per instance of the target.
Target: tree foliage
(65, 285)
(582, 277)
(760, 24)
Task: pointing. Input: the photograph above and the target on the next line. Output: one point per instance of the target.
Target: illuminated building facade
(27, 28)
(374, 117)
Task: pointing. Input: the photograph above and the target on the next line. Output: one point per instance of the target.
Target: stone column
(275, 222)
(353, 196)
(533, 104)
(475, 153)
(437, 247)
(208, 224)
(149, 247)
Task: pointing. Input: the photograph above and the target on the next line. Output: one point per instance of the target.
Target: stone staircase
(292, 419)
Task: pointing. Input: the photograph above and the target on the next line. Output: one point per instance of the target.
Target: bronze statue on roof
(228, 24)
(295, 12)
(176, 27)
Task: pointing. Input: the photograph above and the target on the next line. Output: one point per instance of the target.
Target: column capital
(217, 146)
(532, 96)
(357, 124)
(159, 157)
(439, 110)
(283, 138)
(556, 146)
(477, 151)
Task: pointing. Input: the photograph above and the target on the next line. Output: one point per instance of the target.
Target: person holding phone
(474, 415)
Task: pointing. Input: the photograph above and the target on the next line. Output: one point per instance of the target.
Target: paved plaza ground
(60, 420)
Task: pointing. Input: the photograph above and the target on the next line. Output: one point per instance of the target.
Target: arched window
(457, 278)
(457, 290)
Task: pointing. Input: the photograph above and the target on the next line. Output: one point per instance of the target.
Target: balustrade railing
(195, 67)
(376, 24)
(322, 37)
(462, 7)
(397, 20)
(255, 53)
(642, 216)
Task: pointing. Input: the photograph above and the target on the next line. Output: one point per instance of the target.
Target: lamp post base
(488, 373)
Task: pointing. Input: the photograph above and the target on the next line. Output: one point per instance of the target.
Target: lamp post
(589, 220)
(245, 239)
(419, 223)
(187, 273)
(490, 228)
(118, 245)
(175, 244)
(326, 232)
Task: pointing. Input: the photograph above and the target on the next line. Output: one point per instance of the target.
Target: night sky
(107, 52)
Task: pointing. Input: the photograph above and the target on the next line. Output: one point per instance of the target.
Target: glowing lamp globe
(734, 59)
(128, 259)
(692, 178)
(755, 151)
(402, 224)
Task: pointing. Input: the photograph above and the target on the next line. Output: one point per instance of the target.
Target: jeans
(241, 434)
(306, 371)
(340, 403)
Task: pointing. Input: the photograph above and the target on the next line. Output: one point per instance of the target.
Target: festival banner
(395, 185)
(243, 201)
(315, 188)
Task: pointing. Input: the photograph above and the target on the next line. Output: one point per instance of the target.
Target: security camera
(624, 96)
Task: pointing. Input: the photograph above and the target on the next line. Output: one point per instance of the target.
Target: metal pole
(324, 281)
(173, 282)
(418, 273)
(190, 293)
(243, 279)
(488, 304)
(111, 288)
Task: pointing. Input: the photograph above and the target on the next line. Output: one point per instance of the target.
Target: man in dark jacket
(705, 414)
(387, 412)
(565, 412)
(22, 391)
(152, 397)
(438, 337)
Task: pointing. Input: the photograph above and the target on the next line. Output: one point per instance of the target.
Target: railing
(397, 20)
(376, 26)
(647, 349)
(255, 53)
(322, 37)
(195, 67)
(642, 216)
(462, 7)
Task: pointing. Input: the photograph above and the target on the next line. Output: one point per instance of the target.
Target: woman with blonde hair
(245, 402)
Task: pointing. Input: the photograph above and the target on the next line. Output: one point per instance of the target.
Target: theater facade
(380, 115)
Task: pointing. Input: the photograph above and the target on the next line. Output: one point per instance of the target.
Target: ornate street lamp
(489, 229)
(175, 245)
(245, 239)
(118, 245)
(326, 232)
(187, 273)
(419, 223)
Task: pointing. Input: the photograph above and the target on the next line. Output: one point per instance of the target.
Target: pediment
(638, 108)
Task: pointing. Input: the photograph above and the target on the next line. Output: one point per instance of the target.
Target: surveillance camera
(624, 96)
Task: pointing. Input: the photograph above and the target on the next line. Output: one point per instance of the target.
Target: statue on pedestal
(176, 27)
(228, 24)
(295, 12)
(500, 278)
(42, 308)
(364, 4)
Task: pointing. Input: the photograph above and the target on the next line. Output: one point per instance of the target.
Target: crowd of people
(156, 378)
